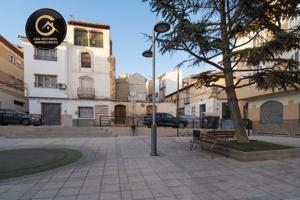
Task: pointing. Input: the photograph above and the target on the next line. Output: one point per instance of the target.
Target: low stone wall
(254, 156)
(61, 131)
(286, 127)
(144, 131)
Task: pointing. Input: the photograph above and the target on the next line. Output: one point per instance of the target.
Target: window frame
(45, 81)
(75, 41)
(11, 58)
(41, 54)
(85, 107)
(89, 33)
(101, 38)
(81, 60)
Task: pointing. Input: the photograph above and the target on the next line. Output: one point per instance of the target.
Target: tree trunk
(239, 128)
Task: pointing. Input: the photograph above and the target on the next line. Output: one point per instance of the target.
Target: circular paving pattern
(19, 162)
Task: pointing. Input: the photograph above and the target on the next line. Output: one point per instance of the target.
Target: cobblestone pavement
(121, 168)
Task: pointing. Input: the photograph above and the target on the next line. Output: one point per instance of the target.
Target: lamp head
(162, 27)
(147, 53)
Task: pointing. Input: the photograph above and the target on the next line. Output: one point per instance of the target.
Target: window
(41, 54)
(85, 60)
(193, 111)
(202, 109)
(81, 37)
(271, 112)
(11, 58)
(96, 39)
(169, 116)
(88, 38)
(19, 63)
(86, 112)
(19, 103)
(86, 82)
(46, 81)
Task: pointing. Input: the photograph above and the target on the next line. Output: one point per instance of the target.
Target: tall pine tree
(210, 29)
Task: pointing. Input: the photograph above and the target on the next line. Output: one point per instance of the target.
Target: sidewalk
(115, 168)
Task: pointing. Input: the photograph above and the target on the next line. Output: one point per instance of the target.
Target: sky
(128, 21)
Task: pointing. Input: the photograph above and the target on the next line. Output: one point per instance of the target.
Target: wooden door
(120, 114)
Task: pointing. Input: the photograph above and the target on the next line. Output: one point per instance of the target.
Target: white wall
(33, 66)
(171, 81)
(213, 105)
(100, 66)
(68, 68)
(67, 106)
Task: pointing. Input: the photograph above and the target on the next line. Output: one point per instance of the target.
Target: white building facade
(74, 83)
(167, 83)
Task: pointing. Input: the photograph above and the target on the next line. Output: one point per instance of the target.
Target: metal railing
(127, 121)
(139, 121)
(86, 93)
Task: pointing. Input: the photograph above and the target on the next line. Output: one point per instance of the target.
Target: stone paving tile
(45, 194)
(121, 168)
(68, 191)
(11, 195)
(88, 197)
(142, 194)
(110, 196)
(66, 198)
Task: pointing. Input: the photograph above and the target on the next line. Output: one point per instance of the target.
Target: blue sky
(127, 19)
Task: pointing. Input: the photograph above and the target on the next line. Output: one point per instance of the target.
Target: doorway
(120, 114)
(51, 113)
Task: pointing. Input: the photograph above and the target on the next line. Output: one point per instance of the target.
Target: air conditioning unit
(62, 86)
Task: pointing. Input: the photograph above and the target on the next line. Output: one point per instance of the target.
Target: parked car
(9, 116)
(165, 119)
(192, 121)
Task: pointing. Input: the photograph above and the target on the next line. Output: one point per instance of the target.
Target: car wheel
(149, 125)
(25, 122)
(180, 125)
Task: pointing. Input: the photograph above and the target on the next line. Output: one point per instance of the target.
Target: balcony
(162, 85)
(86, 93)
(44, 57)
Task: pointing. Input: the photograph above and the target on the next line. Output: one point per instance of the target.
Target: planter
(254, 155)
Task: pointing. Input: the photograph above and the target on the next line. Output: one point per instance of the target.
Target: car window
(169, 116)
(22, 113)
(11, 112)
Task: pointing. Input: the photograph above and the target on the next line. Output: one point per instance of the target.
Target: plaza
(115, 168)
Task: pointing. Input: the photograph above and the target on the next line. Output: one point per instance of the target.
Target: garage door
(51, 113)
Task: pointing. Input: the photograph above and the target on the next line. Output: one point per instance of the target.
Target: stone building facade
(12, 77)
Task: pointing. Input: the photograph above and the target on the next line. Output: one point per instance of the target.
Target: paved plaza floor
(120, 168)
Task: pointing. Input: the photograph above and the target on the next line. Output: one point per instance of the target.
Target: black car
(165, 119)
(9, 116)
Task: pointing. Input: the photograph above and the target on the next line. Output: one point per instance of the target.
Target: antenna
(72, 17)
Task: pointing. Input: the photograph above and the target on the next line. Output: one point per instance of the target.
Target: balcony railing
(86, 93)
(43, 57)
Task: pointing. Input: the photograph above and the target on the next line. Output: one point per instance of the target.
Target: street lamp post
(160, 27)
